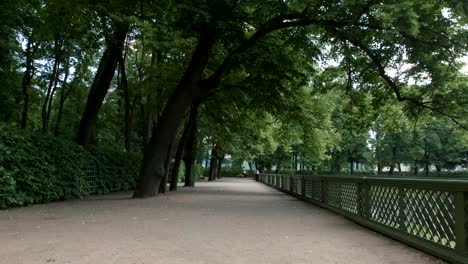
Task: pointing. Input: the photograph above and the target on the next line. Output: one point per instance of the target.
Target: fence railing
(429, 214)
(104, 179)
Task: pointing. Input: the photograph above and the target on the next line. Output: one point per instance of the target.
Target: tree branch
(280, 22)
(393, 85)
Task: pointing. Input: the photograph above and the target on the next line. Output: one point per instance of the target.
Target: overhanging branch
(393, 85)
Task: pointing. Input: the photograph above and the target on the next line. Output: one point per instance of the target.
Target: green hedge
(38, 169)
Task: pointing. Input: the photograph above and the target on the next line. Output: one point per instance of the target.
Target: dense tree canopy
(321, 85)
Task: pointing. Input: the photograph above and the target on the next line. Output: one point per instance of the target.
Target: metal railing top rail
(451, 184)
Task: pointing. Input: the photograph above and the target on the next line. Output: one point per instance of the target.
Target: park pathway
(227, 221)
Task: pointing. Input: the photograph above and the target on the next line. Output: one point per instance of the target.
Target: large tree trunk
(158, 147)
(213, 163)
(101, 83)
(167, 164)
(191, 147)
(126, 96)
(182, 146)
(178, 157)
(26, 84)
(147, 123)
(219, 166)
(187, 91)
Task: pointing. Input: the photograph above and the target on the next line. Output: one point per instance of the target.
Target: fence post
(291, 184)
(367, 199)
(303, 187)
(401, 208)
(324, 190)
(360, 198)
(461, 222)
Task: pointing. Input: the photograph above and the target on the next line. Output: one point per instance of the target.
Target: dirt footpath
(228, 221)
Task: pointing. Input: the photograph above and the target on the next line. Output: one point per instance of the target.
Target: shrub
(38, 169)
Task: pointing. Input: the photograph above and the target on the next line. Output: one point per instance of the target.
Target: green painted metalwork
(429, 214)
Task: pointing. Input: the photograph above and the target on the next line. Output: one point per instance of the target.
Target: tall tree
(114, 47)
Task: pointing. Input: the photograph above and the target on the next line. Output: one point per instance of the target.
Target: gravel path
(228, 221)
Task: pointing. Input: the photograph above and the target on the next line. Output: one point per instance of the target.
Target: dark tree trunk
(213, 163)
(126, 96)
(101, 83)
(219, 166)
(379, 167)
(191, 147)
(415, 169)
(295, 161)
(62, 100)
(167, 164)
(64, 92)
(207, 158)
(399, 167)
(188, 130)
(394, 155)
(26, 84)
(178, 157)
(156, 150)
(426, 157)
(158, 147)
(149, 126)
(52, 85)
(147, 123)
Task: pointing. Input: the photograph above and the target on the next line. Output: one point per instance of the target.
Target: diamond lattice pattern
(429, 214)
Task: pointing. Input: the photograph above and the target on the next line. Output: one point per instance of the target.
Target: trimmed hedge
(39, 169)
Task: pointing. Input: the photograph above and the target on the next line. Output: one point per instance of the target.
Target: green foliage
(197, 171)
(38, 169)
(230, 171)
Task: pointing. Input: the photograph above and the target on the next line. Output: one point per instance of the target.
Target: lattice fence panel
(430, 214)
(294, 185)
(334, 193)
(384, 205)
(299, 186)
(316, 189)
(89, 183)
(308, 188)
(349, 197)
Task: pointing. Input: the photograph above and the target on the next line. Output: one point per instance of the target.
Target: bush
(231, 172)
(198, 171)
(38, 169)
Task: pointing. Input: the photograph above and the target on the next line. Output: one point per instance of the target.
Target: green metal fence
(104, 179)
(429, 214)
